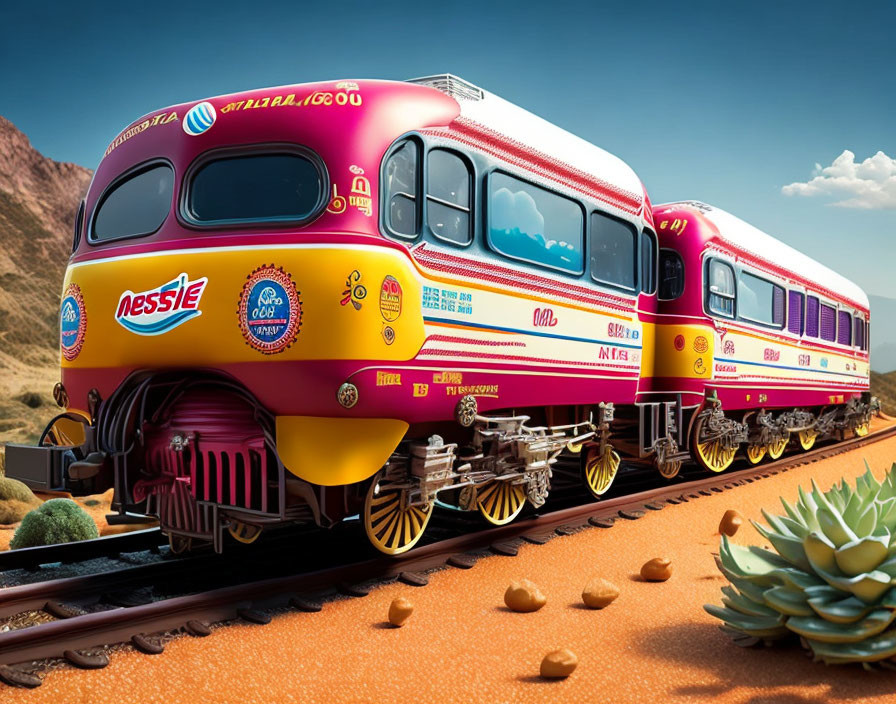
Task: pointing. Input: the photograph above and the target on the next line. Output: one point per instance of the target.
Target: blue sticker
(270, 311)
(72, 322)
(199, 119)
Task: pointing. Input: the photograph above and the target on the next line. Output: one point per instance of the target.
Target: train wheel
(756, 453)
(861, 431)
(500, 501)
(391, 525)
(179, 544)
(776, 449)
(669, 470)
(711, 453)
(245, 533)
(600, 470)
(807, 438)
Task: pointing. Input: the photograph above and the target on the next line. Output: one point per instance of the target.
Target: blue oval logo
(199, 119)
(72, 322)
(270, 310)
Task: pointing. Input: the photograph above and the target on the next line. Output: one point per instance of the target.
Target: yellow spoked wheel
(243, 532)
(756, 453)
(712, 454)
(500, 501)
(600, 470)
(392, 526)
(776, 449)
(669, 470)
(807, 438)
(862, 430)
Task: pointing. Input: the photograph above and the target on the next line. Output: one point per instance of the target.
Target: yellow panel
(336, 451)
(683, 351)
(342, 314)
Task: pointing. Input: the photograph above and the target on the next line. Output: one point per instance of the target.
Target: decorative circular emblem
(347, 395)
(72, 322)
(388, 335)
(270, 311)
(390, 299)
(679, 342)
(199, 119)
(700, 344)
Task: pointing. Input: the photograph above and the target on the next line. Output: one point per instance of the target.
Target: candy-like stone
(559, 663)
(599, 593)
(524, 596)
(659, 569)
(730, 522)
(400, 610)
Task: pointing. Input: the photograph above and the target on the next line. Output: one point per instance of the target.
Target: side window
(720, 289)
(795, 301)
(535, 225)
(760, 300)
(844, 328)
(811, 316)
(671, 275)
(859, 336)
(402, 178)
(79, 223)
(614, 246)
(828, 323)
(867, 336)
(137, 205)
(448, 193)
(648, 261)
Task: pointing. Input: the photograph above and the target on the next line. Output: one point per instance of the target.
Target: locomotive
(366, 298)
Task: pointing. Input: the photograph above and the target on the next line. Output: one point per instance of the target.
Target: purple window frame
(828, 323)
(812, 304)
(795, 312)
(844, 328)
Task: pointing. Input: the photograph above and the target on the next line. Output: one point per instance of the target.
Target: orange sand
(655, 643)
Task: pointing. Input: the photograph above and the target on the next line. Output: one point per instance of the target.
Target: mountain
(883, 333)
(884, 387)
(39, 200)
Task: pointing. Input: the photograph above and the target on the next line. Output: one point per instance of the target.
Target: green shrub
(56, 521)
(16, 500)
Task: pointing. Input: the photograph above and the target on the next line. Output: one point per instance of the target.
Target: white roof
(536, 133)
(760, 244)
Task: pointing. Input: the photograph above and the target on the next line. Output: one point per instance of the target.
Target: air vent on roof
(451, 85)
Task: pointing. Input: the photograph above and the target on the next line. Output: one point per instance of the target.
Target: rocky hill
(884, 387)
(39, 200)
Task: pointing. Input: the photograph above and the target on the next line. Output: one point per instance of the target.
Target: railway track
(193, 592)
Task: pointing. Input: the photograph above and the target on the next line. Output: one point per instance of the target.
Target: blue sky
(725, 102)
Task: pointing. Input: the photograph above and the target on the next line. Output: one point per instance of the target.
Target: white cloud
(867, 185)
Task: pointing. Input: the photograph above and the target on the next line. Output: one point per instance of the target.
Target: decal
(824, 362)
(720, 367)
(543, 318)
(388, 334)
(476, 390)
(770, 355)
(677, 225)
(163, 118)
(679, 342)
(72, 322)
(388, 379)
(699, 366)
(337, 203)
(270, 310)
(763, 398)
(199, 119)
(390, 299)
(435, 298)
(346, 94)
(619, 331)
(161, 309)
(728, 347)
(700, 344)
(360, 197)
(804, 360)
(612, 353)
(421, 390)
(354, 292)
(448, 378)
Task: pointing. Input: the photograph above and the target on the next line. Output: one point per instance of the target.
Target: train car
(305, 303)
(765, 344)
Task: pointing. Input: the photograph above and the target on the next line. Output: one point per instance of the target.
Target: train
(372, 300)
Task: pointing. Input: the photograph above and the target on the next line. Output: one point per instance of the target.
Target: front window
(533, 224)
(614, 245)
(648, 261)
(760, 301)
(250, 188)
(671, 275)
(136, 205)
(448, 191)
(721, 289)
(401, 174)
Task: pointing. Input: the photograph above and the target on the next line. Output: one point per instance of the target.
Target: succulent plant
(832, 579)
